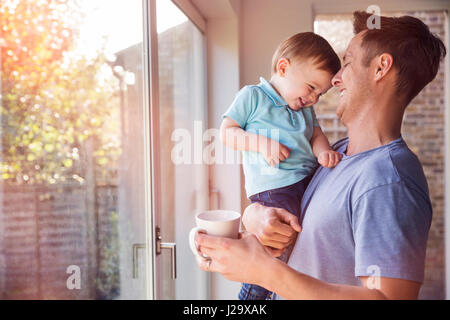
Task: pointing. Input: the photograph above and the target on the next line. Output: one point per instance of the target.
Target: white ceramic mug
(221, 223)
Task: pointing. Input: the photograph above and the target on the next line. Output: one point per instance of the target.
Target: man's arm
(290, 284)
(268, 224)
(246, 260)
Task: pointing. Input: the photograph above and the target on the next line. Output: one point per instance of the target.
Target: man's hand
(329, 158)
(272, 151)
(274, 227)
(242, 260)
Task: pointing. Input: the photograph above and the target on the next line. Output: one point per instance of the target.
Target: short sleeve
(315, 122)
(243, 106)
(390, 228)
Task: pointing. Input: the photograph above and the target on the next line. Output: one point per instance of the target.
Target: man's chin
(340, 112)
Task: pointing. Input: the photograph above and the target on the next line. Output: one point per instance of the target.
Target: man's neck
(374, 129)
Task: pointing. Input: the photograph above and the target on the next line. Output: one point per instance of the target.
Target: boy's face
(301, 83)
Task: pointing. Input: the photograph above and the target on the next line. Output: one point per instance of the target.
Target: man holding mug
(366, 221)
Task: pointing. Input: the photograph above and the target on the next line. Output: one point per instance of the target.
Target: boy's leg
(251, 291)
(288, 198)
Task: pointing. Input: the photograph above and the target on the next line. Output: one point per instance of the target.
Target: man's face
(352, 81)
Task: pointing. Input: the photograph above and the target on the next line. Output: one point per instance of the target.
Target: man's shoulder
(395, 163)
(381, 167)
(409, 168)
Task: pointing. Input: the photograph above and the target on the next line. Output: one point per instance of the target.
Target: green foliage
(108, 278)
(52, 99)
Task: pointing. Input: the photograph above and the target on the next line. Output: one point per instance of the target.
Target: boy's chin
(295, 107)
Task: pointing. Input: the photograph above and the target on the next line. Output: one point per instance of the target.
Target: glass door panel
(73, 150)
(182, 121)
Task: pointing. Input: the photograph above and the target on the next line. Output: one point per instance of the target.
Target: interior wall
(223, 84)
(264, 24)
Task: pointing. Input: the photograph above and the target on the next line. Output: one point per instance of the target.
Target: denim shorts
(289, 198)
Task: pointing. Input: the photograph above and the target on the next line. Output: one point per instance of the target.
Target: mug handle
(193, 244)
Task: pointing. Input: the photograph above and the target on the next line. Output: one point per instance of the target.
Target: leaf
(68, 163)
(49, 147)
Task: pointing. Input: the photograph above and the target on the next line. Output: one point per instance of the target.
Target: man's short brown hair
(416, 52)
(308, 45)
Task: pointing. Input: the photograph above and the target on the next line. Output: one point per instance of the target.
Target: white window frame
(192, 13)
(151, 114)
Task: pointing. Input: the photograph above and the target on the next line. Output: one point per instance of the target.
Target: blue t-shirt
(260, 109)
(368, 216)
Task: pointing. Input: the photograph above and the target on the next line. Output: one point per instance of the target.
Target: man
(365, 222)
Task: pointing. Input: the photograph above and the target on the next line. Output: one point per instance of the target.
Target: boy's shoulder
(253, 93)
(261, 93)
(254, 89)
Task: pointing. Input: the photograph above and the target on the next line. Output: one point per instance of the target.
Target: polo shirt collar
(270, 91)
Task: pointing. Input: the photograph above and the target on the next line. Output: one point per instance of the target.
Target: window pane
(182, 122)
(72, 149)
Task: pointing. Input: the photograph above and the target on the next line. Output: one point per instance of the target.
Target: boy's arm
(319, 142)
(326, 156)
(236, 138)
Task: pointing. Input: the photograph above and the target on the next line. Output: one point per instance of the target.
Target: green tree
(52, 98)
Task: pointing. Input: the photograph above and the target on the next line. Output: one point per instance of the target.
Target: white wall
(223, 84)
(264, 24)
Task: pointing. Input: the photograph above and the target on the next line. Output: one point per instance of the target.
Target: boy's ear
(282, 65)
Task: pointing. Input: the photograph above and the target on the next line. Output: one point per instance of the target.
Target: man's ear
(383, 63)
(282, 65)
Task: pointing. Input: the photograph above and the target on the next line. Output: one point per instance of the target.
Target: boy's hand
(329, 158)
(273, 151)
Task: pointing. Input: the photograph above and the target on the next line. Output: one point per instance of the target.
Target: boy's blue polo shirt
(260, 109)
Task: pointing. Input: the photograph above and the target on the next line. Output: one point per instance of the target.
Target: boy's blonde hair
(308, 45)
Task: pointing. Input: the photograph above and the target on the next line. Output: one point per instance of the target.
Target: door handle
(172, 246)
(136, 246)
(159, 246)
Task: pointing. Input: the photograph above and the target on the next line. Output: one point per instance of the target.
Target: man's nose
(337, 80)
